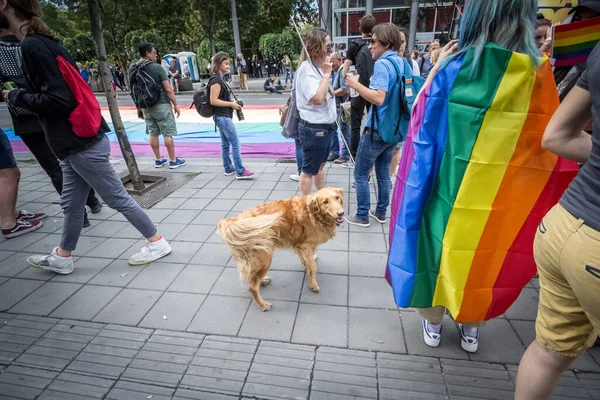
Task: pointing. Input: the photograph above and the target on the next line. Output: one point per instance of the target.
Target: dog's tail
(247, 235)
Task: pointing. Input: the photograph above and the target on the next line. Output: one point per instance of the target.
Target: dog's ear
(340, 191)
(313, 204)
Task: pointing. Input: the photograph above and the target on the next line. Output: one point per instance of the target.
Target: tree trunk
(113, 106)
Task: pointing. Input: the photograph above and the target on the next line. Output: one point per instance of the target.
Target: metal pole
(236, 30)
(412, 34)
(369, 7)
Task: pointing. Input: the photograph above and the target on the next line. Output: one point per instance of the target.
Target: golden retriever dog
(297, 223)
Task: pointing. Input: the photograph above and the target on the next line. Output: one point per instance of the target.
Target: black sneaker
(332, 157)
(86, 221)
(96, 207)
(356, 220)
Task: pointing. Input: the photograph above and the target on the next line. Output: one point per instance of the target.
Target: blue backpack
(401, 99)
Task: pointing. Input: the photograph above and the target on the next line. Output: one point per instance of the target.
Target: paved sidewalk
(185, 327)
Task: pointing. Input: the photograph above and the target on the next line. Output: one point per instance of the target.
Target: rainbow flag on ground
(473, 185)
(572, 43)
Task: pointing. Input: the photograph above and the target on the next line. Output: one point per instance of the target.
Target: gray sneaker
(378, 217)
(356, 220)
(52, 262)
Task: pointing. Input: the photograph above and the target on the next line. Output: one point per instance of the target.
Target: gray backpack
(291, 117)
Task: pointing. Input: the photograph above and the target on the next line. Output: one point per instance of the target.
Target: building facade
(434, 19)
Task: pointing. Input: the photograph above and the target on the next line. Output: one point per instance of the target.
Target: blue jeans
(229, 140)
(289, 75)
(372, 150)
(335, 141)
(299, 154)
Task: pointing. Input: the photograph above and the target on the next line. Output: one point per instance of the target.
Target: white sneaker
(432, 334)
(469, 338)
(52, 262)
(150, 252)
(295, 177)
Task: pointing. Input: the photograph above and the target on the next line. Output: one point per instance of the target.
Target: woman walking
(84, 160)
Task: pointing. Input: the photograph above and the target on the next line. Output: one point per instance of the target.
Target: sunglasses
(330, 47)
(373, 41)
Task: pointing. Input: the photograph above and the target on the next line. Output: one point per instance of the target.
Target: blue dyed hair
(509, 24)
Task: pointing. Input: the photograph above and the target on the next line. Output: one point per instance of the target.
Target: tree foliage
(173, 27)
(81, 47)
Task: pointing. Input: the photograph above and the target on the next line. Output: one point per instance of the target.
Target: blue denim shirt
(384, 76)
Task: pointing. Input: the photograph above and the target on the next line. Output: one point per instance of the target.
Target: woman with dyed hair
(452, 249)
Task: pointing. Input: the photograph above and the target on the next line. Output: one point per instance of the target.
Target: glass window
(339, 24)
(401, 17)
(340, 3)
(357, 3)
(426, 19)
(381, 16)
(444, 19)
(354, 22)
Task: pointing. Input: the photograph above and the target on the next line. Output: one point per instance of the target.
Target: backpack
(401, 97)
(145, 90)
(363, 61)
(87, 116)
(201, 101)
(12, 71)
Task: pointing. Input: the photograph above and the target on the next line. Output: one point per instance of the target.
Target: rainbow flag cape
(474, 183)
(573, 43)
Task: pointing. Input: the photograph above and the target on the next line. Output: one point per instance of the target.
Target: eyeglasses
(373, 41)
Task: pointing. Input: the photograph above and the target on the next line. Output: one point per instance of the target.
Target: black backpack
(363, 61)
(201, 101)
(145, 90)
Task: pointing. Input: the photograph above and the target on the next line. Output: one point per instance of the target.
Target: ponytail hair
(30, 12)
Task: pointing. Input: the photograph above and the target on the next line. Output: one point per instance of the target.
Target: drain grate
(174, 180)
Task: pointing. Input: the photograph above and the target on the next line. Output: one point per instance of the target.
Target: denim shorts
(316, 145)
(7, 158)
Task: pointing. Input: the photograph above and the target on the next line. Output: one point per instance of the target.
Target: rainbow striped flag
(474, 183)
(572, 43)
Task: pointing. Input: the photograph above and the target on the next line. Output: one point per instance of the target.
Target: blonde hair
(314, 42)
(217, 60)
(435, 55)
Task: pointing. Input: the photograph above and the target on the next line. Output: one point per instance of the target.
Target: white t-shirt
(307, 83)
(416, 71)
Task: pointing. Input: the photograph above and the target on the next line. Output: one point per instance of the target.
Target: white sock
(470, 331)
(434, 328)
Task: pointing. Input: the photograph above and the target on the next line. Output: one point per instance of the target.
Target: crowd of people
(566, 249)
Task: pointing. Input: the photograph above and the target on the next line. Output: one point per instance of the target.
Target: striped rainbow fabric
(573, 43)
(473, 185)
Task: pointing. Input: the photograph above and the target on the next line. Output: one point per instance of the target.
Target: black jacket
(49, 95)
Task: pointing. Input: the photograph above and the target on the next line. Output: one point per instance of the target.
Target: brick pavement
(185, 327)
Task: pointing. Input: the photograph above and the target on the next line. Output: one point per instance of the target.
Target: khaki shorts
(567, 253)
(160, 120)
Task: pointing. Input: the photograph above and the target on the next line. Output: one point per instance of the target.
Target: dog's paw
(314, 287)
(266, 306)
(316, 257)
(265, 281)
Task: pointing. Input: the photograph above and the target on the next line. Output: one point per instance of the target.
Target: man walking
(159, 116)
(341, 96)
(567, 245)
(359, 56)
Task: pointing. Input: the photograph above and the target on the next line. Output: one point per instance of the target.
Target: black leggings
(36, 142)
